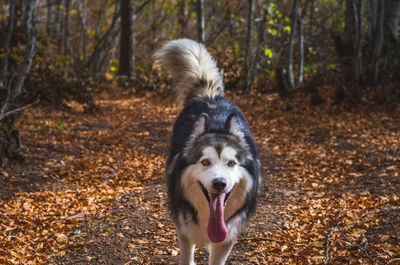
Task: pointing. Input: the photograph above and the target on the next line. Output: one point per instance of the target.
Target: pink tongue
(216, 226)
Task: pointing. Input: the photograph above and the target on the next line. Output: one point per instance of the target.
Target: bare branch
(3, 115)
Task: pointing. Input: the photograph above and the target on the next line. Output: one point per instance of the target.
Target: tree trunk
(391, 21)
(65, 47)
(373, 11)
(82, 25)
(6, 45)
(127, 39)
(261, 33)
(59, 24)
(94, 58)
(49, 16)
(351, 50)
(101, 12)
(357, 56)
(31, 47)
(291, 44)
(49, 28)
(247, 59)
(377, 34)
(9, 137)
(300, 34)
(182, 16)
(201, 35)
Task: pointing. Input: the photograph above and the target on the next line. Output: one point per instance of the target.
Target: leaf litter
(93, 190)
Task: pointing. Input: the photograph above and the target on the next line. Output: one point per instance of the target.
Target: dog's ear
(202, 124)
(234, 126)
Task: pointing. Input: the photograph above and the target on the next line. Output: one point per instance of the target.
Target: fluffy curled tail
(193, 70)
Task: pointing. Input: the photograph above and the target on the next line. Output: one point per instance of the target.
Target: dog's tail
(193, 70)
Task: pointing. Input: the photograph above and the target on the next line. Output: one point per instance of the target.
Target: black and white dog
(213, 168)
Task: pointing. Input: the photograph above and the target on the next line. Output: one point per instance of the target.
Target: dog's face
(216, 173)
(216, 158)
(217, 169)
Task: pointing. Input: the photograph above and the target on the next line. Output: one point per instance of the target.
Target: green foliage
(60, 124)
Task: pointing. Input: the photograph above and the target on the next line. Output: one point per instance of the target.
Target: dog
(213, 169)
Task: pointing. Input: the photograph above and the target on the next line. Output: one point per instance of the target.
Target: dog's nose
(219, 184)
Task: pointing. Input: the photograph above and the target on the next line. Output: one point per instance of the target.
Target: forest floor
(91, 189)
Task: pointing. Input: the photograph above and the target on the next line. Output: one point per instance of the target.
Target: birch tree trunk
(10, 140)
(31, 47)
(300, 34)
(201, 35)
(127, 39)
(291, 44)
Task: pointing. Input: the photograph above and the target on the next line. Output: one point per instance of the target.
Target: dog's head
(216, 168)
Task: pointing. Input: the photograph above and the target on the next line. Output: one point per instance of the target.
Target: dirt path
(91, 190)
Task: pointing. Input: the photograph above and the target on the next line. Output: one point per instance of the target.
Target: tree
(259, 46)
(127, 39)
(247, 54)
(182, 17)
(376, 34)
(351, 53)
(201, 35)
(65, 45)
(13, 74)
(291, 43)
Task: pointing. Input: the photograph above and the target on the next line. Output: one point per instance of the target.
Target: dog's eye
(231, 163)
(205, 162)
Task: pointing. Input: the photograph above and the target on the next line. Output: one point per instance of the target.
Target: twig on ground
(271, 239)
(329, 235)
(120, 164)
(363, 249)
(339, 230)
(327, 240)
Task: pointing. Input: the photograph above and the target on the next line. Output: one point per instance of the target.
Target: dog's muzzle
(207, 194)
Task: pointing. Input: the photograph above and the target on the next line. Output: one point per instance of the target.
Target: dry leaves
(331, 177)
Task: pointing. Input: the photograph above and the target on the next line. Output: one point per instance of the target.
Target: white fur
(238, 183)
(189, 62)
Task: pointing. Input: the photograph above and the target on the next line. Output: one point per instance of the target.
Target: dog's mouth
(216, 227)
(206, 194)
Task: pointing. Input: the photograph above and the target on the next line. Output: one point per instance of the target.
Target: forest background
(57, 49)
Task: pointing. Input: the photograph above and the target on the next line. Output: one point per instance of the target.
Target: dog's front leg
(187, 250)
(219, 252)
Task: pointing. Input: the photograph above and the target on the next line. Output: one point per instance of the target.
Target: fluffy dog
(213, 170)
